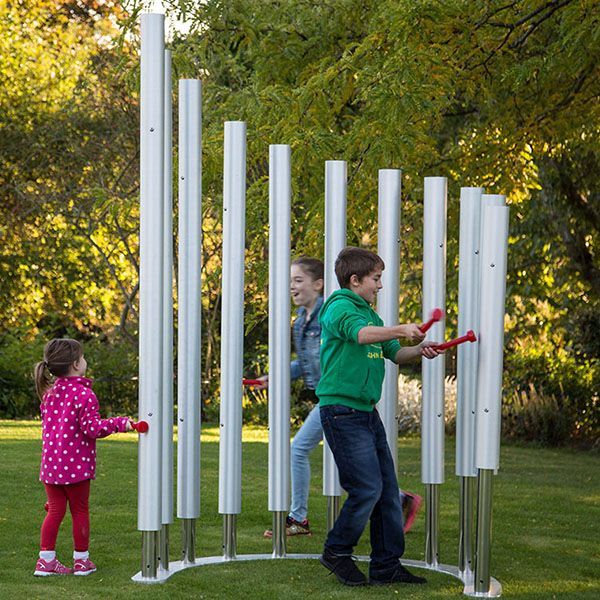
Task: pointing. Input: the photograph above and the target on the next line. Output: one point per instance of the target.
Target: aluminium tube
(489, 386)
(494, 245)
(167, 376)
(336, 175)
(468, 318)
(388, 236)
(280, 195)
(433, 371)
(151, 284)
(232, 329)
(188, 352)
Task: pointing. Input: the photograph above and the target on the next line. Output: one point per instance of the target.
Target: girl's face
(303, 288)
(79, 367)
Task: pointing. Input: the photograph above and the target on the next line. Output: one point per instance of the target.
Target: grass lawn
(546, 529)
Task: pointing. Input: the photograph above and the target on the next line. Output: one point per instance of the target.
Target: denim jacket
(307, 341)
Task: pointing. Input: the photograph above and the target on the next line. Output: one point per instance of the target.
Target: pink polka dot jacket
(71, 424)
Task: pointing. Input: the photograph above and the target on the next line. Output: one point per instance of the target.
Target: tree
(68, 172)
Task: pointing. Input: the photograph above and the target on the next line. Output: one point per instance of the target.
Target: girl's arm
(93, 426)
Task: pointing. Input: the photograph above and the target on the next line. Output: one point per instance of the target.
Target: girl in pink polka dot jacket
(71, 424)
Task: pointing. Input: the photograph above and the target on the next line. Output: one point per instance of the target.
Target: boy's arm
(410, 353)
(371, 334)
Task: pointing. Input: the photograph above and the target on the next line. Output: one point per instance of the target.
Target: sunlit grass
(546, 530)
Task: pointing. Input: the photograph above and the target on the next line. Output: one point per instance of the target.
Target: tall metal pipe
(151, 286)
(336, 175)
(232, 329)
(489, 385)
(468, 318)
(188, 353)
(433, 371)
(388, 248)
(167, 375)
(280, 195)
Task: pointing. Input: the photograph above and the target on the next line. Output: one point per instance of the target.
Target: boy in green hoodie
(354, 343)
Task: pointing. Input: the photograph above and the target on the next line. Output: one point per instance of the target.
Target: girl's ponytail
(59, 356)
(42, 378)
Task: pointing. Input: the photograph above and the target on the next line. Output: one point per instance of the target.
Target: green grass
(546, 529)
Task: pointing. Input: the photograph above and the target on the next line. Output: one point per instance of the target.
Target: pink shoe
(411, 503)
(43, 568)
(83, 566)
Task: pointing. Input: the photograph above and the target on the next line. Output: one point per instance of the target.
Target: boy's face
(368, 286)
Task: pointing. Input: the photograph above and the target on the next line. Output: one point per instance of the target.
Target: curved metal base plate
(467, 579)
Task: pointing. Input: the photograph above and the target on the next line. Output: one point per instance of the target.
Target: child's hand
(264, 379)
(430, 350)
(411, 332)
(129, 426)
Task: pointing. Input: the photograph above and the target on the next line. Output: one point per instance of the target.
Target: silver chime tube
(167, 376)
(280, 194)
(188, 352)
(433, 371)
(336, 175)
(151, 286)
(494, 244)
(388, 248)
(468, 318)
(232, 330)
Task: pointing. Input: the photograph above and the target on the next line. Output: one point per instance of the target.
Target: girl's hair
(311, 266)
(356, 261)
(59, 355)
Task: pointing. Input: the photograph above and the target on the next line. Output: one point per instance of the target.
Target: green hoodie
(351, 373)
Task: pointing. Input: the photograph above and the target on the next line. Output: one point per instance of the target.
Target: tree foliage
(503, 95)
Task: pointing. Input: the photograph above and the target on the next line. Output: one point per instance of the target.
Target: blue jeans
(307, 438)
(364, 461)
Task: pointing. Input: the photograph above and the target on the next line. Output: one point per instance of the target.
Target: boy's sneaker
(83, 566)
(399, 575)
(344, 568)
(411, 503)
(292, 527)
(43, 568)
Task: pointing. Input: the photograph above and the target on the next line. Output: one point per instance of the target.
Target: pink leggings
(77, 495)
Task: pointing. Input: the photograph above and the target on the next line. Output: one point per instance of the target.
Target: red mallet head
(468, 337)
(251, 382)
(437, 314)
(141, 426)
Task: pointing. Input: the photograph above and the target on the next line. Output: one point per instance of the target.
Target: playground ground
(546, 527)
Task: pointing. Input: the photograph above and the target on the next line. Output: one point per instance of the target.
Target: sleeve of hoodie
(343, 321)
(390, 348)
(90, 422)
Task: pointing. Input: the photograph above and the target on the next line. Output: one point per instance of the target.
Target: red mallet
(140, 426)
(469, 337)
(252, 382)
(436, 315)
